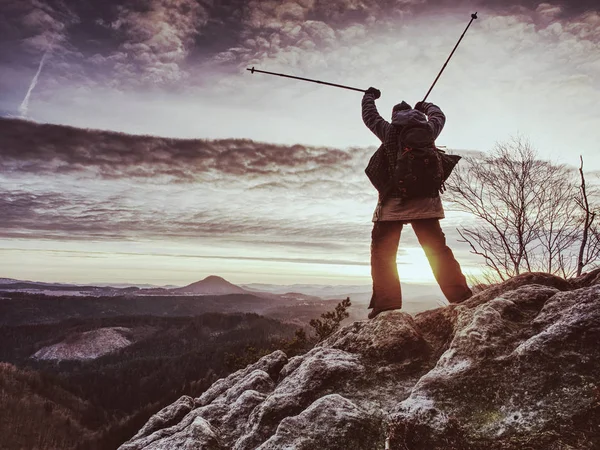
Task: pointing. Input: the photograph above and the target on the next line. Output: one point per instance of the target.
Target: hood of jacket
(408, 117)
(417, 132)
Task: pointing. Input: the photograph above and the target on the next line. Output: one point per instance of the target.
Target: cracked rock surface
(516, 366)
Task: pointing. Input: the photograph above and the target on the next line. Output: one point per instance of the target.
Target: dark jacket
(383, 162)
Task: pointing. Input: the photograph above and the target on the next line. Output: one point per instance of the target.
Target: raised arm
(435, 116)
(371, 117)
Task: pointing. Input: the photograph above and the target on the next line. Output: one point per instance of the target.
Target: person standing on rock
(406, 196)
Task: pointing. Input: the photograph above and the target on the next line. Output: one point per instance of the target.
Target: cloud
(74, 216)
(112, 255)
(274, 29)
(157, 37)
(83, 184)
(51, 149)
(248, 229)
(199, 47)
(173, 68)
(62, 184)
(36, 25)
(301, 203)
(34, 33)
(55, 215)
(549, 11)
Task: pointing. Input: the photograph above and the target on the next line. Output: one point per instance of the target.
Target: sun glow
(413, 266)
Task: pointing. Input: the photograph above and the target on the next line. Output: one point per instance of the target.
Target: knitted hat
(401, 107)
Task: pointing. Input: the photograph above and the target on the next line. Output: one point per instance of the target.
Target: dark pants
(384, 247)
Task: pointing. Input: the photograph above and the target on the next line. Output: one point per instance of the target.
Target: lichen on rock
(332, 422)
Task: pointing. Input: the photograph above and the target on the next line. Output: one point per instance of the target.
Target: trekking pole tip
(251, 70)
(474, 16)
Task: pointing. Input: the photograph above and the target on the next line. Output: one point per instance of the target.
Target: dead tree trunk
(588, 219)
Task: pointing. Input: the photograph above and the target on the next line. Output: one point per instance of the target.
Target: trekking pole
(473, 17)
(307, 79)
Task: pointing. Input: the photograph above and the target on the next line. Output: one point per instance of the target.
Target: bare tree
(589, 249)
(527, 216)
(558, 224)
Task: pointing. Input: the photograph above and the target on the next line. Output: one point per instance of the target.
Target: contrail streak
(24, 108)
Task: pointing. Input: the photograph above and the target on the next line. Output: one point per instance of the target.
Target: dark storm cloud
(46, 149)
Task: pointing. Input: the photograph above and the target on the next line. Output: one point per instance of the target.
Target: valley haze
(421, 297)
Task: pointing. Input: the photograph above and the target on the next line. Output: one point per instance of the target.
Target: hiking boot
(375, 311)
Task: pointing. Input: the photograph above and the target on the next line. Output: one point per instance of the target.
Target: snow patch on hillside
(53, 293)
(88, 345)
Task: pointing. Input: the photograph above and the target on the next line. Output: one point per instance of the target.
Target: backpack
(421, 168)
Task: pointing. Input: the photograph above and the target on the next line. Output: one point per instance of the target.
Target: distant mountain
(211, 285)
(416, 297)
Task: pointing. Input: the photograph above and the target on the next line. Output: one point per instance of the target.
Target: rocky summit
(517, 366)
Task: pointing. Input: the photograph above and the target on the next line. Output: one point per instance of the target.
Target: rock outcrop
(517, 366)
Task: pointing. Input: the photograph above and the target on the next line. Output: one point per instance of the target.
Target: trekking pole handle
(473, 17)
(252, 70)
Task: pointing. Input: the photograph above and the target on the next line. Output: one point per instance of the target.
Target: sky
(253, 177)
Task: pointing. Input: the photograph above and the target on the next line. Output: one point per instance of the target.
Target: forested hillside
(100, 402)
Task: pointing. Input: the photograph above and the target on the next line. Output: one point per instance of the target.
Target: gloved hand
(421, 106)
(376, 93)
